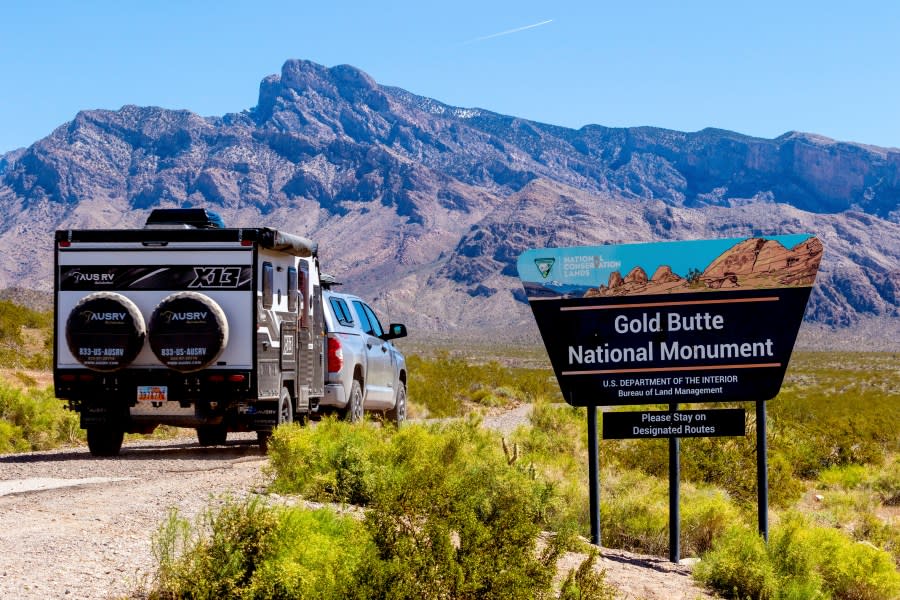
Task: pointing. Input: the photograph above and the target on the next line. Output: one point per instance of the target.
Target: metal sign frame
(672, 322)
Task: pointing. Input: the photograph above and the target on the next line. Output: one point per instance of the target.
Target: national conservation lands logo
(544, 266)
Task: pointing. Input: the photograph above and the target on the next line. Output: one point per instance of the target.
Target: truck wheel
(105, 331)
(188, 331)
(285, 415)
(285, 407)
(212, 435)
(104, 440)
(354, 410)
(398, 414)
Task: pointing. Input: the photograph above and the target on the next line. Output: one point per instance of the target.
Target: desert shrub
(738, 566)
(845, 477)
(35, 420)
(226, 550)
(887, 483)
(800, 561)
(634, 512)
(586, 583)
(706, 513)
(726, 462)
(852, 570)
(443, 383)
(884, 533)
(332, 462)
(246, 549)
(837, 409)
(449, 514)
(15, 318)
(12, 438)
(314, 554)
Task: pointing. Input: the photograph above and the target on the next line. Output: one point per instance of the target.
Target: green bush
(13, 320)
(448, 513)
(800, 561)
(443, 384)
(738, 566)
(12, 438)
(35, 420)
(887, 484)
(332, 462)
(586, 583)
(247, 549)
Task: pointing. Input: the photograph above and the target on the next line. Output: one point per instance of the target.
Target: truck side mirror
(396, 330)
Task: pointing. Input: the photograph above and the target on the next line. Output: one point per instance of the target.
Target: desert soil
(73, 526)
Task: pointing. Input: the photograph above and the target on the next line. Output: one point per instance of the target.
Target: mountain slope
(426, 206)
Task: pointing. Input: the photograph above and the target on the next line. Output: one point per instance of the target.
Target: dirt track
(90, 538)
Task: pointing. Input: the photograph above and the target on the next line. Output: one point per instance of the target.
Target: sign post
(762, 472)
(700, 321)
(674, 494)
(594, 474)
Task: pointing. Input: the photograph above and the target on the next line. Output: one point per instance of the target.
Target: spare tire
(188, 331)
(105, 331)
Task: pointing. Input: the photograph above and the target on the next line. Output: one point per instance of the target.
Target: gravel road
(74, 526)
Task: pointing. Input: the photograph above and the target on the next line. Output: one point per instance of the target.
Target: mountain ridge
(438, 201)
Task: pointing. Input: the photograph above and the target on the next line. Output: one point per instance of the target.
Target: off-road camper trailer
(188, 323)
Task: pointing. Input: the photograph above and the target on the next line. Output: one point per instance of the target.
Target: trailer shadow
(147, 451)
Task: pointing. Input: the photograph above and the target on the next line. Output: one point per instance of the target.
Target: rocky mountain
(425, 207)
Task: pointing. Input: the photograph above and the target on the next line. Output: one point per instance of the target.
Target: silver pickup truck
(364, 370)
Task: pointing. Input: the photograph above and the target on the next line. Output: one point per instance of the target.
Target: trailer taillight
(335, 355)
(233, 378)
(64, 244)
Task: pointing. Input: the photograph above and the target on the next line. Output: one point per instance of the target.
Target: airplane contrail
(516, 30)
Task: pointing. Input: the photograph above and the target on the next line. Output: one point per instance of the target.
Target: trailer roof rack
(328, 281)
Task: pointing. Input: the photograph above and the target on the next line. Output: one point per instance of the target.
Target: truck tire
(188, 331)
(285, 407)
(105, 331)
(354, 411)
(212, 435)
(105, 440)
(397, 414)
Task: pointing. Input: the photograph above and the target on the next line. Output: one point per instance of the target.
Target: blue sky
(760, 68)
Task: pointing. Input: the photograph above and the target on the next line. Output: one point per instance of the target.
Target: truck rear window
(341, 312)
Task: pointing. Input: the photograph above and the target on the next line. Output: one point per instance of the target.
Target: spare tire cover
(105, 331)
(188, 331)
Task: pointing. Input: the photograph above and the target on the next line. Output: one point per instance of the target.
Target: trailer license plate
(152, 393)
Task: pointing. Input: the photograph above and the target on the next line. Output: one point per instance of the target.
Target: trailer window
(341, 312)
(268, 284)
(293, 292)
